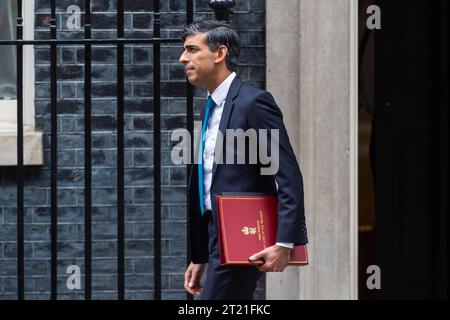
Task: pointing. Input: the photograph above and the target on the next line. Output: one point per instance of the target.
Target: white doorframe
(354, 147)
(312, 71)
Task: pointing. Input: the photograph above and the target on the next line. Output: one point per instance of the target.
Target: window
(8, 9)
(8, 95)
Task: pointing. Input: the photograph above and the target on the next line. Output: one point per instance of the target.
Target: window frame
(33, 142)
(8, 108)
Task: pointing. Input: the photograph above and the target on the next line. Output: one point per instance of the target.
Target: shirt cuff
(286, 245)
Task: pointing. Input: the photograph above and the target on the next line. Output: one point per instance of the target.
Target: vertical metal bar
(434, 34)
(444, 160)
(87, 156)
(120, 155)
(157, 149)
(53, 151)
(190, 127)
(20, 182)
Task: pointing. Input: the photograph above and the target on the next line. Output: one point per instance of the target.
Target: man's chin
(193, 81)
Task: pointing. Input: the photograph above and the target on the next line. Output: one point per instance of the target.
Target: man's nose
(183, 59)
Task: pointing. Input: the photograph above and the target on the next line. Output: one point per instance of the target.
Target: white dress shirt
(219, 97)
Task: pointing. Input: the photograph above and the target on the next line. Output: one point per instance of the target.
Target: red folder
(248, 224)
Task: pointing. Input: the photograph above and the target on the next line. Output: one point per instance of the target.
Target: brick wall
(249, 19)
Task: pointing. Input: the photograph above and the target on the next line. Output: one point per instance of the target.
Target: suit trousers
(226, 282)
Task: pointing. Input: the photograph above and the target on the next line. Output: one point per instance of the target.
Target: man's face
(198, 60)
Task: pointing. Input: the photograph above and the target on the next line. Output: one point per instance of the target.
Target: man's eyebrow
(191, 46)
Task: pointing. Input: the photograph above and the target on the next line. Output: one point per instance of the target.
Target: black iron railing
(222, 9)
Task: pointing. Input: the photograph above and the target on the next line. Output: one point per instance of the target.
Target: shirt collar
(221, 92)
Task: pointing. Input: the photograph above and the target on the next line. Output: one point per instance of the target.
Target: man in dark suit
(211, 49)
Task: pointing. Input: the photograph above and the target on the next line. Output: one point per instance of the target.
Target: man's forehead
(195, 39)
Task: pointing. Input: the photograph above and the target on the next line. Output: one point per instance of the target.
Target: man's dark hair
(217, 33)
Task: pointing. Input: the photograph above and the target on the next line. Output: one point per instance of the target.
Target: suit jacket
(248, 107)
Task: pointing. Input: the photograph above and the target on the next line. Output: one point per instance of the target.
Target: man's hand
(192, 278)
(271, 259)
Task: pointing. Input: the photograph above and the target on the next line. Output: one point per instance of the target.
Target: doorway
(403, 129)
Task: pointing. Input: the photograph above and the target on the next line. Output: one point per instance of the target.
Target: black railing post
(157, 149)
(87, 157)
(120, 155)
(53, 152)
(222, 8)
(20, 182)
(190, 127)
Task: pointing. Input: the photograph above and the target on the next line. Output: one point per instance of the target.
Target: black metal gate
(88, 42)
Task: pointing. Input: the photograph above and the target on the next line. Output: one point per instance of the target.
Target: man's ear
(221, 54)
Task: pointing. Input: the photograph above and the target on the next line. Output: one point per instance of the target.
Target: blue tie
(210, 104)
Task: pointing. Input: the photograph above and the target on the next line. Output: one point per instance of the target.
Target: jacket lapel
(226, 114)
(194, 165)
